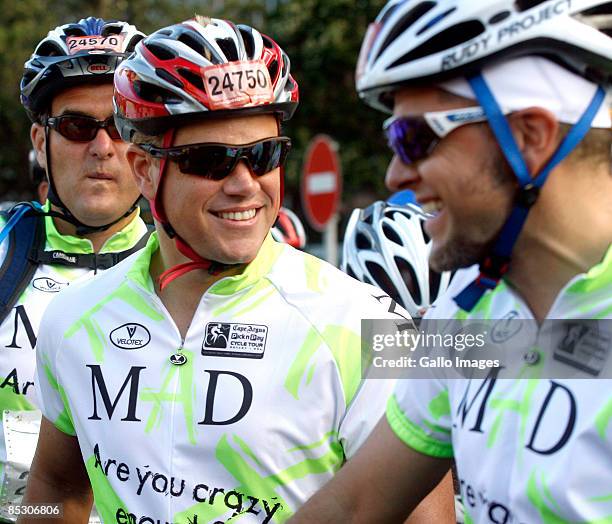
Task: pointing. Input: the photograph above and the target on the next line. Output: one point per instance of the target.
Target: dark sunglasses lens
(214, 162)
(266, 156)
(411, 139)
(112, 130)
(77, 129)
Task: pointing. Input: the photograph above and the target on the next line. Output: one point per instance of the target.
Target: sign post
(320, 191)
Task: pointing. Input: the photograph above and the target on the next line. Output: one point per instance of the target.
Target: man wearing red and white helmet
(501, 128)
(218, 369)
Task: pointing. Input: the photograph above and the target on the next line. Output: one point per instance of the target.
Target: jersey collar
(120, 241)
(252, 273)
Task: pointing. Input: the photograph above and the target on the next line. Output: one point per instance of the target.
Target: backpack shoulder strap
(18, 269)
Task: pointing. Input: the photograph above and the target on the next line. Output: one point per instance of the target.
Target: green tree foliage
(322, 38)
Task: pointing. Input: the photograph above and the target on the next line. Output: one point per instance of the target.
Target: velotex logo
(130, 336)
(234, 340)
(48, 285)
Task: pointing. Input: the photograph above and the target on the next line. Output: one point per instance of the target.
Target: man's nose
(400, 176)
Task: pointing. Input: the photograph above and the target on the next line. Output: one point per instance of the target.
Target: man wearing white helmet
(501, 128)
(87, 220)
(216, 375)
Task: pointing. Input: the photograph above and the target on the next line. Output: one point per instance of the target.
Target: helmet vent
(285, 65)
(349, 271)
(266, 41)
(425, 235)
(434, 284)
(383, 281)
(195, 42)
(249, 42)
(49, 49)
(410, 279)
(155, 94)
(74, 30)
(362, 242)
(162, 73)
(228, 47)
(435, 20)
(451, 37)
(523, 5)
(499, 17)
(273, 69)
(390, 233)
(412, 16)
(161, 52)
(192, 78)
(111, 29)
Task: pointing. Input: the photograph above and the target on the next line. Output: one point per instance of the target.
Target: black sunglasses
(82, 128)
(216, 161)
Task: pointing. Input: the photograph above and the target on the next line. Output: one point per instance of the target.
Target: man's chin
(456, 255)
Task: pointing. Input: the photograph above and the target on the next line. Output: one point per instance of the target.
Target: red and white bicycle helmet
(164, 83)
(289, 229)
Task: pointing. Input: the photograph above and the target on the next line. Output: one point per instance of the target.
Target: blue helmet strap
(496, 264)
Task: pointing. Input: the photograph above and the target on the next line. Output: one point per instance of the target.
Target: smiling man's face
(93, 179)
(464, 182)
(223, 220)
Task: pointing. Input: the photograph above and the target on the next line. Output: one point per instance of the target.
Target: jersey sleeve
(419, 414)
(366, 402)
(52, 398)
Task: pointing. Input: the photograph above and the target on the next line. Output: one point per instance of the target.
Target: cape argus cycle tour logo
(48, 285)
(223, 339)
(130, 336)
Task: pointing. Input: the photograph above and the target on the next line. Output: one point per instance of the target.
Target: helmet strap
(495, 265)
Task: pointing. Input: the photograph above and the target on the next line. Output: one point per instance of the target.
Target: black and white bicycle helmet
(386, 245)
(416, 41)
(85, 52)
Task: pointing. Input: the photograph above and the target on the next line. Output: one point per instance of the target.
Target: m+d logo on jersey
(223, 339)
(130, 336)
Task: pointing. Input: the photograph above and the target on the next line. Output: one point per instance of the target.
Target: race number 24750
(237, 84)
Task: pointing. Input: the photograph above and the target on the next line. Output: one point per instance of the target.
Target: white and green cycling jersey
(535, 450)
(18, 332)
(242, 420)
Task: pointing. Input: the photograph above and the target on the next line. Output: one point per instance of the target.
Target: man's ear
(536, 131)
(37, 136)
(144, 168)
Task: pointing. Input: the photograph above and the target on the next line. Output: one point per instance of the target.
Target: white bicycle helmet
(386, 245)
(413, 42)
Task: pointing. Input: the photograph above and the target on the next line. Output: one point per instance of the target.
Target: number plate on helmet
(238, 84)
(98, 43)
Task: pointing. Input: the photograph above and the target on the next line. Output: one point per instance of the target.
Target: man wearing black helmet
(501, 128)
(228, 363)
(89, 222)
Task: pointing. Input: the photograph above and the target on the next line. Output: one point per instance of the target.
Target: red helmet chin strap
(159, 213)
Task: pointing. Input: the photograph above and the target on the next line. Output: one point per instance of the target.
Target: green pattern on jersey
(344, 345)
(96, 337)
(184, 396)
(603, 419)
(107, 501)
(312, 268)
(64, 422)
(263, 488)
(10, 399)
(251, 294)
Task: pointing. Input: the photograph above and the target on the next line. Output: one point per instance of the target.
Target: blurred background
(321, 37)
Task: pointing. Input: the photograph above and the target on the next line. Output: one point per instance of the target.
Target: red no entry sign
(321, 181)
